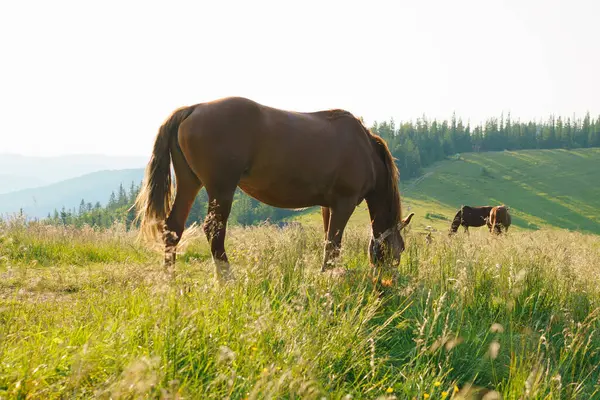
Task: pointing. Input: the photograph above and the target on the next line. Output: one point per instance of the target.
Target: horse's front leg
(325, 213)
(338, 218)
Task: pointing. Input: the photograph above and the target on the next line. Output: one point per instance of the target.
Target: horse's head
(390, 244)
(488, 220)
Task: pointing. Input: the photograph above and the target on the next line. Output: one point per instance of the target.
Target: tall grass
(88, 313)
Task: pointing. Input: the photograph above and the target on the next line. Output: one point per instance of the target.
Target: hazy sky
(100, 77)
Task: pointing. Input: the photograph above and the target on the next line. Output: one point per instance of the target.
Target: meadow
(90, 313)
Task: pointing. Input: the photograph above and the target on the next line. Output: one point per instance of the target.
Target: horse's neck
(378, 201)
(379, 211)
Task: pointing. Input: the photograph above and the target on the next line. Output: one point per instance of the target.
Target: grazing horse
(281, 158)
(470, 216)
(499, 218)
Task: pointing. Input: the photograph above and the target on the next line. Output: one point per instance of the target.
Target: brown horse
(499, 218)
(470, 216)
(281, 158)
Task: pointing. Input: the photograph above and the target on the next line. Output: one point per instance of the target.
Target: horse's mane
(393, 176)
(387, 158)
(336, 113)
(392, 171)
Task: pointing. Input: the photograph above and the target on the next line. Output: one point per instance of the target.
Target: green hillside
(550, 188)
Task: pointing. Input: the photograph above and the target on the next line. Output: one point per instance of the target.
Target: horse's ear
(406, 221)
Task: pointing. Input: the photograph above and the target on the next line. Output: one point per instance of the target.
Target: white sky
(100, 77)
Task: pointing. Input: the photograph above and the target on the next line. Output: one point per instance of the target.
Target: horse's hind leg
(176, 222)
(215, 228)
(188, 186)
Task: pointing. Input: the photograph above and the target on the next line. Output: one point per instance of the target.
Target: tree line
(415, 145)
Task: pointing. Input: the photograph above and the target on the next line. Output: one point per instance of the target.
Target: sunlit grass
(96, 316)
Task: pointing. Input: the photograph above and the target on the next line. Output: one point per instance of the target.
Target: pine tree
(582, 135)
(122, 200)
(63, 216)
(112, 201)
(133, 192)
(561, 132)
(594, 134)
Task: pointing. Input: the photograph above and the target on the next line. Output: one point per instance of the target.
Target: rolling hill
(550, 188)
(97, 186)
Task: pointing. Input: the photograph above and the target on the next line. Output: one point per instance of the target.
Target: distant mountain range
(96, 186)
(22, 172)
(10, 182)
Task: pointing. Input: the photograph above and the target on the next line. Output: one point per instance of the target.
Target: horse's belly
(283, 194)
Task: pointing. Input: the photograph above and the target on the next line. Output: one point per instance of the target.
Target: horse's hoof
(337, 272)
(224, 281)
(223, 272)
(225, 278)
(169, 265)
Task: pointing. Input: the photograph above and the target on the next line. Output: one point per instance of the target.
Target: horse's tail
(456, 221)
(153, 203)
(493, 217)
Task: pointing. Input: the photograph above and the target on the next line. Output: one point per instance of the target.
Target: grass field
(92, 314)
(543, 188)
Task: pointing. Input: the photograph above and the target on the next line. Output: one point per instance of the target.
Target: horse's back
(476, 215)
(244, 117)
(282, 158)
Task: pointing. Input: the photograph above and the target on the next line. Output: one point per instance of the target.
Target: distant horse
(284, 159)
(499, 218)
(470, 216)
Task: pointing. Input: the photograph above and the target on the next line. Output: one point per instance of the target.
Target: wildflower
(436, 384)
(455, 388)
(254, 348)
(444, 394)
(389, 390)
(425, 395)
